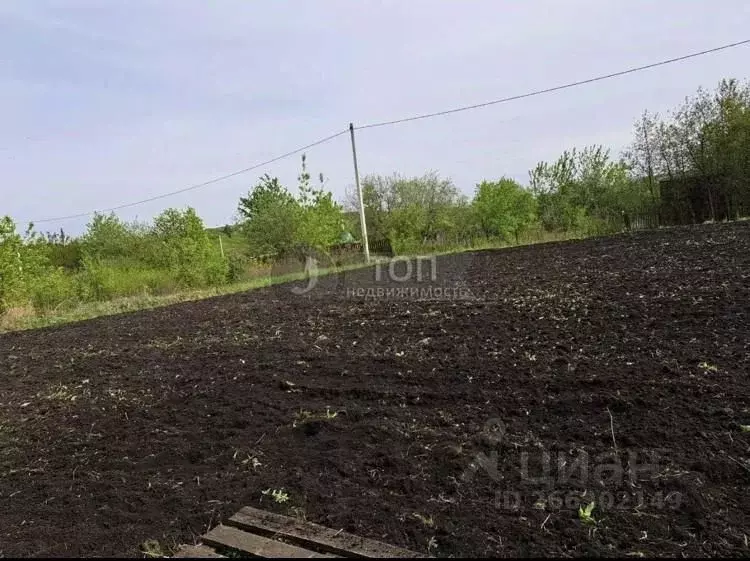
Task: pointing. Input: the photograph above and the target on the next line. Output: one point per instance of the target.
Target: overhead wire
(552, 89)
(198, 185)
(403, 120)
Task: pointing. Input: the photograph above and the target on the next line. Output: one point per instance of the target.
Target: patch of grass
(531, 237)
(148, 289)
(152, 548)
(426, 520)
(233, 244)
(13, 317)
(31, 319)
(305, 416)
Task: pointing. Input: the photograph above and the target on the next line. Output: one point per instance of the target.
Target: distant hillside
(231, 239)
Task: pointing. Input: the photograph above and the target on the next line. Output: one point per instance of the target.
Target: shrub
(183, 247)
(53, 290)
(23, 260)
(99, 281)
(11, 264)
(237, 266)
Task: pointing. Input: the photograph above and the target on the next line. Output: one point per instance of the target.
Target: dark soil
(469, 425)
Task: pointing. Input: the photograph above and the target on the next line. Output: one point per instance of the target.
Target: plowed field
(469, 410)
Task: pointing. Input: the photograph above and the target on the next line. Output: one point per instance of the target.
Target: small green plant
(278, 495)
(426, 520)
(708, 367)
(301, 417)
(584, 514)
(330, 415)
(745, 428)
(304, 416)
(152, 548)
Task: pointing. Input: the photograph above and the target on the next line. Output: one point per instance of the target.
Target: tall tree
(701, 154)
(409, 211)
(275, 221)
(267, 192)
(504, 208)
(642, 156)
(582, 190)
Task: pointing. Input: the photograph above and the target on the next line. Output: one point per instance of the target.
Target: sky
(104, 103)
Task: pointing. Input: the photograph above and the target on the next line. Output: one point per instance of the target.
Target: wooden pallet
(258, 533)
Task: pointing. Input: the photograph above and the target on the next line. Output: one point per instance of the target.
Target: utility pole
(362, 223)
(221, 247)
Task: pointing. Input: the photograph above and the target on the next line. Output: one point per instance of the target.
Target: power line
(555, 88)
(403, 120)
(198, 185)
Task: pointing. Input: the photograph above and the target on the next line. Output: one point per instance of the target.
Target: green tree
(277, 222)
(725, 153)
(23, 262)
(269, 215)
(699, 153)
(271, 218)
(504, 208)
(582, 191)
(184, 246)
(11, 264)
(321, 218)
(553, 186)
(373, 198)
(409, 211)
(642, 156)
(107, 237)
(268, 192)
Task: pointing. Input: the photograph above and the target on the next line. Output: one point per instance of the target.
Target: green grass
(236, 244)
(530, 238)
(140, 296)
(28, 318)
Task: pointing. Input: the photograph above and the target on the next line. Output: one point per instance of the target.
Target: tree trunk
(711, 202)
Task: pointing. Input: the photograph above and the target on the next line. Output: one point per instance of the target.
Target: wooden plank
(197, 552)
(257, 546)
(314, 536)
